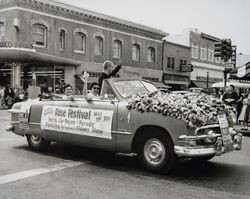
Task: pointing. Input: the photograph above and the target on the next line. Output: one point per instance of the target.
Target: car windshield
(128, 88)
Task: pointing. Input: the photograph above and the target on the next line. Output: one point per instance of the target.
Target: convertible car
(107, 123)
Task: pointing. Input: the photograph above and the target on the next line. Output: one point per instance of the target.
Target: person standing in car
(108, 71)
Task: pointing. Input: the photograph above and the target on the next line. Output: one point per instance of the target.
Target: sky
(221, 18)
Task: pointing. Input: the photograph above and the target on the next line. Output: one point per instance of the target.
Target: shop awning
(241, 73)
(31, 56)
(175, 82)
(201, 84)
(161, 85)
(235, 84)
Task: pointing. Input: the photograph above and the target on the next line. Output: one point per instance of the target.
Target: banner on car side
(82, 121)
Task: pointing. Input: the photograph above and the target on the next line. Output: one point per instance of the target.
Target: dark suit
(106, 76)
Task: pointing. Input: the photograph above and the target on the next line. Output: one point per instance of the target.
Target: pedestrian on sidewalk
(245, 112)
(239, 102)
(1, 97)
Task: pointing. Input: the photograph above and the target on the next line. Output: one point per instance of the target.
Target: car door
(103, 112)
(103, 119)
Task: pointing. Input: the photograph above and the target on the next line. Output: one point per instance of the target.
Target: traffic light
(223, 49)
(226, 49)
(218, 49)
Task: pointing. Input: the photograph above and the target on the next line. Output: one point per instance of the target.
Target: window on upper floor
(203, 52)
(62, 39)
(98, 45)
(217, 60)
(136, 52)
(195, 50)
(39, 35)
(170, 62)
(210, 54)
(117, 49)
(151, 54)
(2, 30)
(80, 42)
(183, 62)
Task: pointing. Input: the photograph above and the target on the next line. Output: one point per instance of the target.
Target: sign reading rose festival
(90, 122)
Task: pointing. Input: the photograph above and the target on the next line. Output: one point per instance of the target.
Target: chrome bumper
(190, 149)
(193, 152)
(196, 152)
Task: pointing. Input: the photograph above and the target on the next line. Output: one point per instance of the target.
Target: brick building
(174, 57)
(206, 69)
(42, 42)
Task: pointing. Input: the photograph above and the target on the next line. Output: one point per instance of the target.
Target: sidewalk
(239, 128)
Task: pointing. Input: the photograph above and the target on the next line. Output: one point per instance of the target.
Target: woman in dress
(244, 115)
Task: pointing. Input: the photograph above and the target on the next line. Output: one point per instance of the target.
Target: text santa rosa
(83, 121)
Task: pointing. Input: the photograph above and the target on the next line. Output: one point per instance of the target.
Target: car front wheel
(37, 142)
(155, 153)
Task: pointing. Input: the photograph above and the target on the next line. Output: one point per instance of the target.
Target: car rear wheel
(37, 142)
(156, 152)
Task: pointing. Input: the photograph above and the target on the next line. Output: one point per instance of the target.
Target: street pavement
(74, 172)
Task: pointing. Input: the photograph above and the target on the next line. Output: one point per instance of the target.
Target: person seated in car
(94, 88)
(68, 91)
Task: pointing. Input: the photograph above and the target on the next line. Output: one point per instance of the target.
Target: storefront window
(151, 54)
(44, 77)
(136, 52)
(2, 30)
(80, 42)
(62, 40)
(39, 35)
(5, 74)
(98, 45)
(117, 49)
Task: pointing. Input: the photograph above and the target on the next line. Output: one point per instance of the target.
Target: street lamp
(207, 79)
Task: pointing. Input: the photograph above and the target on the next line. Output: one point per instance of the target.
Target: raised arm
(84, 79)
(117, 68)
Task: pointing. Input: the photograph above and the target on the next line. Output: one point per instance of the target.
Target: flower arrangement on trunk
(195, 111)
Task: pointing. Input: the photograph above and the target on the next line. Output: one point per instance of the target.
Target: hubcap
(154, 152)
(35, 139)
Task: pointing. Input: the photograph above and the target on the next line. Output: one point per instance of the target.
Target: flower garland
(195, 111)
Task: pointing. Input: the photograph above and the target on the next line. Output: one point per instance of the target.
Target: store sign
(10, 44)
(81, 121)
(233, 57)
(229, 65)
(186, 68)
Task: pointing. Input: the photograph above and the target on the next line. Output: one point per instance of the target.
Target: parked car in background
(107, 123)
(179, 92)
(196, 90)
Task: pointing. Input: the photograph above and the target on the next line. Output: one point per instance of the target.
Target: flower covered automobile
(132, 116)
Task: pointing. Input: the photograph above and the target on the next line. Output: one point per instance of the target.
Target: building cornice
(176, 44)
(210, 37)
(79, 22)
(84, 13)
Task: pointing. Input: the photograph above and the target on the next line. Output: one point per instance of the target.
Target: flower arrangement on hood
(194, 110)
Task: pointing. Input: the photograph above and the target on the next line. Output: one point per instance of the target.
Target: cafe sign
(10, 44)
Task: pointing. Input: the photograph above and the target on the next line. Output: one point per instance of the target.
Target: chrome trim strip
(122, 132)
(35, 123)
(14, 122)
(14, 111)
